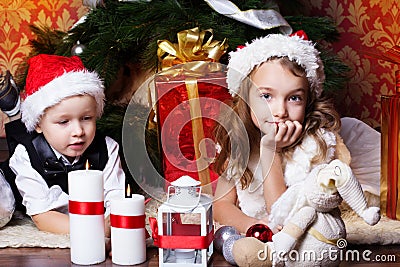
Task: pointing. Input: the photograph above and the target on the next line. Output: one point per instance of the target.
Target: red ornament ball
(261, 232)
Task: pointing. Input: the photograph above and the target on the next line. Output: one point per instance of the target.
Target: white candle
(86, 216)
(128, 237)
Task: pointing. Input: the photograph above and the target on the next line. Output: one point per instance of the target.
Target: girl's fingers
(297, 131)
(287, 133)
(281, 132)
(290, 130)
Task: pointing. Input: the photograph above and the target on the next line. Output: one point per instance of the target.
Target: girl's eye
(266, 96)
(63, 122)
(295, 98)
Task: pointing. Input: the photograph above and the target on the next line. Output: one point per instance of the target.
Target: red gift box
(190, 90)
(187, 110)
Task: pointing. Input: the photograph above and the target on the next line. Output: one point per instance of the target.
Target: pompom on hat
(296, 47)
(51, 79)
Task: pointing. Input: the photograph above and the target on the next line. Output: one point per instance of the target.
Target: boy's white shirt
(39, 198)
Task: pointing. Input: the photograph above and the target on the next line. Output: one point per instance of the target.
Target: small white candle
(86, 216)
(128, 236)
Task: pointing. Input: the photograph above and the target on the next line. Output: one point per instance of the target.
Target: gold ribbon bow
(191, 46)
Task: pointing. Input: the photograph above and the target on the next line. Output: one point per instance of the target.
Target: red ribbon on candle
(127, 222)
(86, 208)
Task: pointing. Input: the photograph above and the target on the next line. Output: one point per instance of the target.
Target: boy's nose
(77, 129)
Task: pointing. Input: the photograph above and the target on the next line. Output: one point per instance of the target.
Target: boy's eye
(87, 118)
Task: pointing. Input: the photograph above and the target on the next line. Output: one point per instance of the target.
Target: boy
(57, 134)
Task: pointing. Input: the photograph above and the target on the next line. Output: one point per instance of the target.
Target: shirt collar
(63, 158)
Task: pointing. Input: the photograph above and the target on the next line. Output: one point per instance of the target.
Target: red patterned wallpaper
(372, 26)
(17, 15)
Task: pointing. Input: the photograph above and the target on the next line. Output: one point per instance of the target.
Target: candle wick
(128, 191)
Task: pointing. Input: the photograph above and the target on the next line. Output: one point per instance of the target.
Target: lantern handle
(198, 198)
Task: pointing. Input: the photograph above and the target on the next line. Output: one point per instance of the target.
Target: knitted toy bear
(314, 235)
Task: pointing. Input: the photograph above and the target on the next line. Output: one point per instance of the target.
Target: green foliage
(317, 28)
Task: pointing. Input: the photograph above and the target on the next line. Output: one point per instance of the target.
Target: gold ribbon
(198, 134)
(191, 46)
(315, 233)
(296, 232)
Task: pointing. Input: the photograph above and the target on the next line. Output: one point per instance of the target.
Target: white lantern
(183, 244)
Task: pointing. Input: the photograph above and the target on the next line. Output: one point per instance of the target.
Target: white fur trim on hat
(69, 84)
(303, 52)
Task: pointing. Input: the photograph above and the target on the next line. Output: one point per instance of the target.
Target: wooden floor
(387, 256)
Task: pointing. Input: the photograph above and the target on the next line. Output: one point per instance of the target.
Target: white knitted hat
(52, 78)
(296, 48)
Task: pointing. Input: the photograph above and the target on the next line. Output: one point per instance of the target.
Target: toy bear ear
(342, 152)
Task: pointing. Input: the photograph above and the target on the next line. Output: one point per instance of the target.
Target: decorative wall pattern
(366, 27)
(17, 15)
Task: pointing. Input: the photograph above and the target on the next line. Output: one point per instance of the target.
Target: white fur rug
(21, 232)
(385, 232)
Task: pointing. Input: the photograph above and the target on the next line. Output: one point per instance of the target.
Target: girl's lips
(272, 122)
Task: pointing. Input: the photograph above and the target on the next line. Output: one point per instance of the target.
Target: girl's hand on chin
(268, 138)
(287, 133)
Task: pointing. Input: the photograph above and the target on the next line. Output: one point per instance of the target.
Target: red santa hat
(51, 79)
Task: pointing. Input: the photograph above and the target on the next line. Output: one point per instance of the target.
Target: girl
(276, 83)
